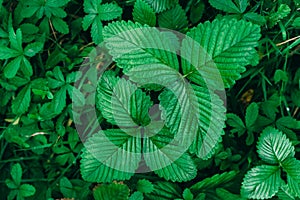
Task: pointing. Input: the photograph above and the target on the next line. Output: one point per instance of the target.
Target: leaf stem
(289, 40)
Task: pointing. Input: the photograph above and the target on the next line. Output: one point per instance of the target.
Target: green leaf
(282, 12)
(236, 123)
(165, 191)
(26, 67)
(111, 191)
(96, 30)
(21, 103)
(118, 160)
(219, 48)
(242, 5)
(87, 21)
(251, 116)
(12, 67)
(255, 18)
(15, 39)
(261, 182)
(226, 195)
(26, 190)
(122, 103)
(16, 173)
(137, 196)
(30, 7)
(59, 100)
(147, 44)
(6, 53)
(167, 162)
(273, 146)
(284, 193)
(109, 11)
(280, 75)
(186, 128)
(76, 95)
(225, 5)
(161, 5)
(11, 184)
(173, 18)
(143, 13)
(33, 48)
(292, 167)
(187, 194)
(196, 12)
(60, 25)
(58, 12)
(144, 186)
(66, 187)
(288, 122)
(213, 182)
(57, 3)
(91, 6)
(296, 22)
(211, 122)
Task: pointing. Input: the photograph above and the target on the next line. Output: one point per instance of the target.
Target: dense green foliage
(249, 48)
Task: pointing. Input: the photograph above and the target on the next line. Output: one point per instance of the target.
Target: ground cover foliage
(251, 153)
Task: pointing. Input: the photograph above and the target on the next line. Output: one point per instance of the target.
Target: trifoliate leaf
(261, 182)
(186, 128)
(143, 13)
(173, 18)
(21, 103)
(219, 48)
(273, 146)
(161, 5)
(96, 13)
(111, 191)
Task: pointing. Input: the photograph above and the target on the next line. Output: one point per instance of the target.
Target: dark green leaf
(143, 13)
